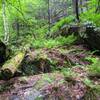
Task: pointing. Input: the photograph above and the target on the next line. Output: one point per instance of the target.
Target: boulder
(93, 38)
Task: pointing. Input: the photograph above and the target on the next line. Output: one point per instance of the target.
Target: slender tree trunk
(49, 19)
(5, 23)
(77, 10)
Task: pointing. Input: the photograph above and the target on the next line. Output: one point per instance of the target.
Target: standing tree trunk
(77, 10)
(49, 19)
(5, 23)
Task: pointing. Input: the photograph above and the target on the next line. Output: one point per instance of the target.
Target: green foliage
(41, 32)
(61, 23)
(92, 59)
(94, 18)
(68, 73)
(95, 68)
(26, 13)
(93, 90)
(50, 43)
(90, 14)
(48, 79)
(88, 82)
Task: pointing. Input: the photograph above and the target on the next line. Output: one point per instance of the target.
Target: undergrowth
(50, 43)
(62, 22)
(95, 68)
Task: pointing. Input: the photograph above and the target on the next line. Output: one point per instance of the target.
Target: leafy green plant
(68, 73)
(92, 59)
(95, 68)
(94, 18)
(50, 43)
(61, 23)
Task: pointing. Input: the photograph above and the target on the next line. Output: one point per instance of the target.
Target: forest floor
(60, 73)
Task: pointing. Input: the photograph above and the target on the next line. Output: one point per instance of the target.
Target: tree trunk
(77, 10)
(10, 67)
(5, 23)
(49, 19)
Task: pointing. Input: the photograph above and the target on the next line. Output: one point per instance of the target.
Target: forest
(50, 50)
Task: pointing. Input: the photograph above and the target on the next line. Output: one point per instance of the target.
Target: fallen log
(11, 66)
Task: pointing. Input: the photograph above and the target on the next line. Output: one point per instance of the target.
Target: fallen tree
(11, 66)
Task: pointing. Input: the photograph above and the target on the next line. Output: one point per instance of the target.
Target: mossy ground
(63, 72)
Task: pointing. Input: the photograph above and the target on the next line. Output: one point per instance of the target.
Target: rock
(93, 38)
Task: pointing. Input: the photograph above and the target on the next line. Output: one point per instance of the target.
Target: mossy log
(11, 66)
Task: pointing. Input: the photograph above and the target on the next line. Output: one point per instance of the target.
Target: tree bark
(49, 19)
(77, 10)
(5, 23)
(10, 67)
